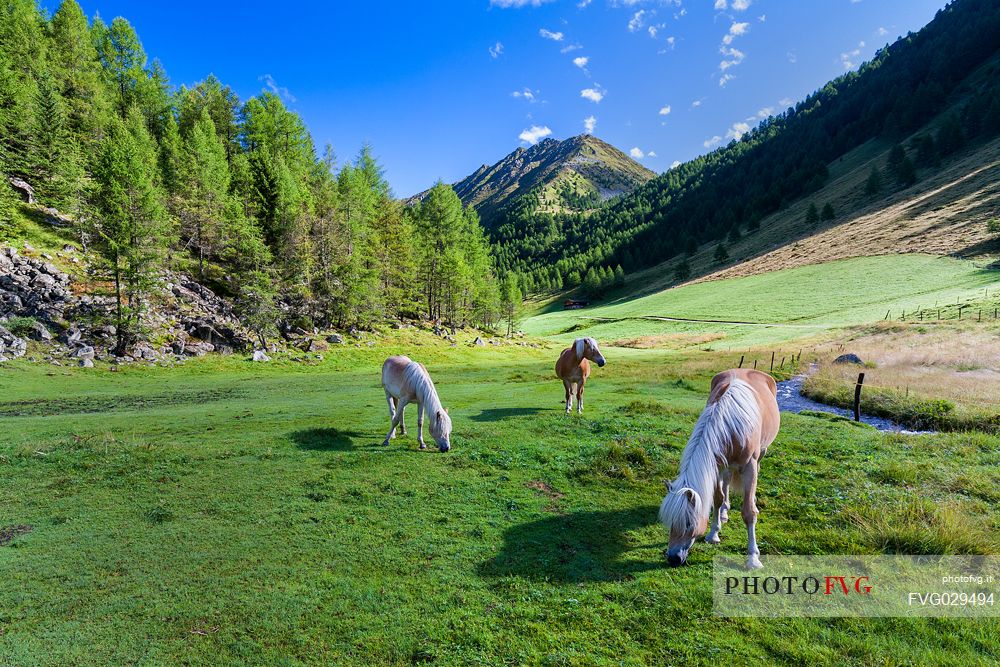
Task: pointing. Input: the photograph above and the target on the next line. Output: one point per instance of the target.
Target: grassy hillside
(793, 302)
(227, 513)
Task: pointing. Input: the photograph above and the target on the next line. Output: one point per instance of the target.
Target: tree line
(194, 179)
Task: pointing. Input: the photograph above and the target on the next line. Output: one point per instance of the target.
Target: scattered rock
(85, 353)
(335, 339)
(260, 355)
(849, 358)
(479, 341)
(27, 192)
(86, 363)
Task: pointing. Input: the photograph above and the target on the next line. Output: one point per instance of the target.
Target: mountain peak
(570, 175)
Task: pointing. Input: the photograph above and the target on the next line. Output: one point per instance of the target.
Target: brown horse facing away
(405, 381)
(728, 441)
(573, 368)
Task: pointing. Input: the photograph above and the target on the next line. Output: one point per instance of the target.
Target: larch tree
(130, 221)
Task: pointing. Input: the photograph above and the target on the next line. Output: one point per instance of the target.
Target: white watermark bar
(861, 586)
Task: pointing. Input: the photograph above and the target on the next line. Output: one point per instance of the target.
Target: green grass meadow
(230, 513)
(795, 302)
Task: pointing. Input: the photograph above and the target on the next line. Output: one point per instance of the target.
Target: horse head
(682, 511)
(441, 430)
(586, 348)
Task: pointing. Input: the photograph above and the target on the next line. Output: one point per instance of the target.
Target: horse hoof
(423, 446)
(385, 443)
(753, 563)
(713, 539)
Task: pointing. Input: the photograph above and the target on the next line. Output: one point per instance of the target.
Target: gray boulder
(86, 363)
(849, 358)
(479, 341)
(85, 353)
(260, 355)
(335, 338)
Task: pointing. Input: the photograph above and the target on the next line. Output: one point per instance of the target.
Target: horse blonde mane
(417, 377)
(729, 420)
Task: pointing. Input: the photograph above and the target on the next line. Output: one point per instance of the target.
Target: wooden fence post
(772, 361)
(857, 397)
(755, 364)
(741, 361)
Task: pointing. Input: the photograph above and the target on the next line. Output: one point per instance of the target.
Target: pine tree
(511, 298)
(203, 203)
(130, 220)
(827, 214)
(874, 183)
(683, 270)
(619, 276)
(721, 254)
(75, 66)
(812, 215)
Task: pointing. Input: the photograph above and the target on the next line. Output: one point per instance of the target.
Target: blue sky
(439, 88)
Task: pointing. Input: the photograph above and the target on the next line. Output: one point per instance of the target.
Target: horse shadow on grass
(325, 439)
(578, 547)
(499, 414)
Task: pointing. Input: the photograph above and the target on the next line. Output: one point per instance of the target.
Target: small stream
(790, 399)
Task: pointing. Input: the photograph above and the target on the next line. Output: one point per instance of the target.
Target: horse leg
(724, 481)
(402, 419)
(569, 395)
(579, 397)
(392, 411)
(420, 425)
(750, 513)
(396, 418)
(713, 534)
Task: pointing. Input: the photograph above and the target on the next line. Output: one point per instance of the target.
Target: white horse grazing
(729, 438)
(406, 381)
(573, 368)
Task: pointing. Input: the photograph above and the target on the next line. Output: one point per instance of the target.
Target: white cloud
(714, 141)
(737, 131)
(534, 134)
(280, 91)
(581, 62)
(654, 30)
(765, 112)
(740, 5)
(665, 111)
(527, 94)
(762, 18)
(736, 56)
(582, 4)
(637, 20)
(651, 154)
(675, 164)
(589, 123)
(786, 102)
(671, 41)
(739, 28)
(848, 59)
(725, 78)
(697, 103)
(882, 31)
(548, 34)
(792, 57)
(720, 4)
(569, 48)
(593, 94)
(517, 4)
(496, 50)
(637, 153)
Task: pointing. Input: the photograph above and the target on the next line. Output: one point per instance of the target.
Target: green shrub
(20, 326)
(993, 225)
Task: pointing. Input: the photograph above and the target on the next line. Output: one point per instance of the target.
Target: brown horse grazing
(729, 439)
(573, 368)
(406, 381)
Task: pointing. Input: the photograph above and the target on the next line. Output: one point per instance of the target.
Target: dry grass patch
(667, 341)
